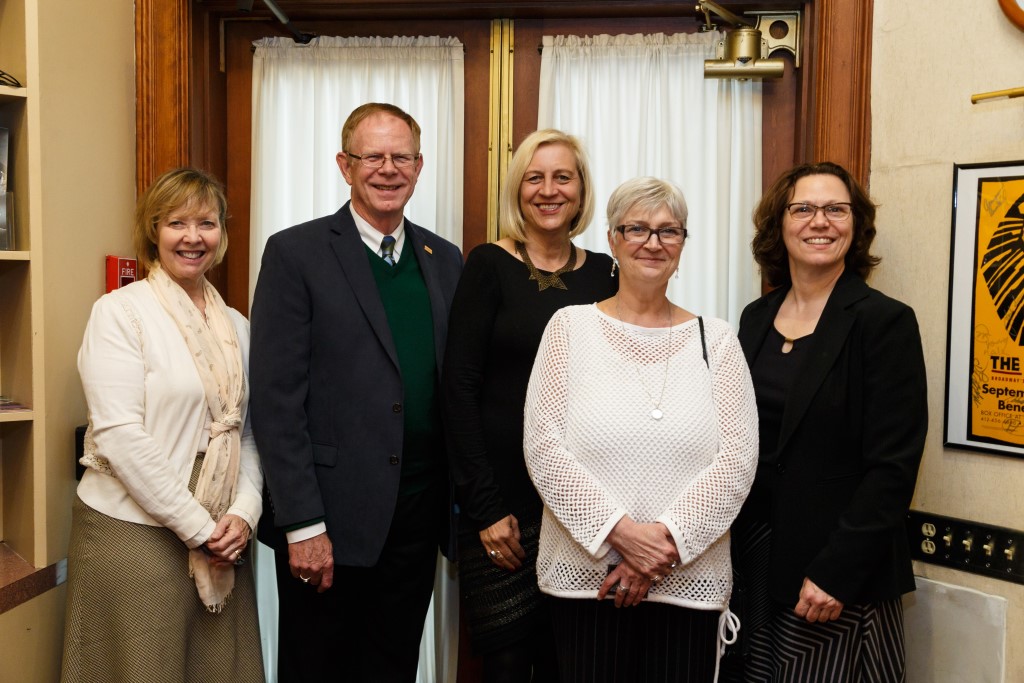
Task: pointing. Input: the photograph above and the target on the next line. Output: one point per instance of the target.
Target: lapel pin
(428, 249)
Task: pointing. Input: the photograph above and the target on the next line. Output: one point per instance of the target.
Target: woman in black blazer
(839, 376)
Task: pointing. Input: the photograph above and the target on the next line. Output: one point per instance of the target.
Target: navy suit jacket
(852, 434)
(327, 391)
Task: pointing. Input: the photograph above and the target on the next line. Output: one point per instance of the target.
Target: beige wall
(87, 111)
(926, 65)
(86, 91)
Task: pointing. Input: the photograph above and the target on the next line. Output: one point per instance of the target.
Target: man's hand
(312, 561)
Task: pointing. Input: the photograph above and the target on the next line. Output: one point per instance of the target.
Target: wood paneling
(162, 51)
(838, 51)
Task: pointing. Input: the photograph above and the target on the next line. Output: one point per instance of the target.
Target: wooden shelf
(16, 415)
(15, 255)
(7, 93)
(20, 581)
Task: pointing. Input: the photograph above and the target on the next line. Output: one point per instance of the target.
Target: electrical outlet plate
(968, 546)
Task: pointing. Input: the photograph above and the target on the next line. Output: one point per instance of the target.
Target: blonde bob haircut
(511, 221)
(646, 194)
(182, 187)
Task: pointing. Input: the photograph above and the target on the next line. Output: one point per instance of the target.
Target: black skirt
(501, 607)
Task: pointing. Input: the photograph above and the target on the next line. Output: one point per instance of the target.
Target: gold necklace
(552, 280)
(656, 410)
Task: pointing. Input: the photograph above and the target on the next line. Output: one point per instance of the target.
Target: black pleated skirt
(650, 643)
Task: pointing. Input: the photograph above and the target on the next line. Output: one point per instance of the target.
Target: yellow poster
(997, 348)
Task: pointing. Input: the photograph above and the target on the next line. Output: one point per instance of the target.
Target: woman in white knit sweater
(157, 585)
(641, 437)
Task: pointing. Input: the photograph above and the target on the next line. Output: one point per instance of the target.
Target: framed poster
(985, 337)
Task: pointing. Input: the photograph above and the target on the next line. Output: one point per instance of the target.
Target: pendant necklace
(656, 412)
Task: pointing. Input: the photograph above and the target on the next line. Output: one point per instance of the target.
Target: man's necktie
(387, 249)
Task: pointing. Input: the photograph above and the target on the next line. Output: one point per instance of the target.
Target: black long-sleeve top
(497, 319)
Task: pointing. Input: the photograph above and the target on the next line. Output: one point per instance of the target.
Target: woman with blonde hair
(158, 588)
(508, 291)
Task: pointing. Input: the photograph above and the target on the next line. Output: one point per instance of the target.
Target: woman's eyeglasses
(803, 212)
(642, 233)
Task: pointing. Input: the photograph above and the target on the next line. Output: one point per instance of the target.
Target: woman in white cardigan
(641, 437)
(158, 588)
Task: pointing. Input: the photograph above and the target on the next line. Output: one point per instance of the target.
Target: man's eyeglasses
(376, 161)
(836, 213)
(642, 233)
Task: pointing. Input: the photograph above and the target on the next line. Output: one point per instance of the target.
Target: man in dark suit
(348, 330)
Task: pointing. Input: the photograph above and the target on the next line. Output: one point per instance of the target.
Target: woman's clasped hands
(228, 541)
(649, 555)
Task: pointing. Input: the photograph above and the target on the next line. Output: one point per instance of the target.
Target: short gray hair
(649, 194)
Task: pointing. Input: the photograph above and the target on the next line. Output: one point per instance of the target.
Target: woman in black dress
(839, 377)
(508, 292)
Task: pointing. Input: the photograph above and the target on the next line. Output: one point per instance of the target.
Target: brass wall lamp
(744, 52)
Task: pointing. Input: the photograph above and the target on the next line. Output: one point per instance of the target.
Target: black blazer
(851, 438)
(326, 388)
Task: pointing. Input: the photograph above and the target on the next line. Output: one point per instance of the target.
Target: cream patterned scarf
(213, 344)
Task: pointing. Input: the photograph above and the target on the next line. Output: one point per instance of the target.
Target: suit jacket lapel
(419, 243)
(830, 335)
(351, 254)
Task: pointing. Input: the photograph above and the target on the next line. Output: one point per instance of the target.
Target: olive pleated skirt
(133, 612)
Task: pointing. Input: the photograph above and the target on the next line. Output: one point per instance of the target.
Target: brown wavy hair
(768, 246)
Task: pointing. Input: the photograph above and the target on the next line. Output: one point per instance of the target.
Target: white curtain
(642, 106)
(302, 95)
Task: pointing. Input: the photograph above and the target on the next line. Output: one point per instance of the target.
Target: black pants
(367, 627)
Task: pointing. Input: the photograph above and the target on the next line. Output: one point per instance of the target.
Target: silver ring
(656, 579)
(673, 565)
(493, 553)
(623, 589)
(305, 579)
(238, 553)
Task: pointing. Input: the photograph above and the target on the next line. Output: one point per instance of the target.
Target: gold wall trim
(499, 139)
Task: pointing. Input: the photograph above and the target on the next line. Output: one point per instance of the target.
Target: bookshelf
(72, 174)
(22, 550)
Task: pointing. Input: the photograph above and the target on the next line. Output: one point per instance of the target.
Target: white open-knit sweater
(595, 453)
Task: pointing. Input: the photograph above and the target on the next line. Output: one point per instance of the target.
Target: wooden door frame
(835, 121)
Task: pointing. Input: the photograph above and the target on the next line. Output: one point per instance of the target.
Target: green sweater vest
(407, 306)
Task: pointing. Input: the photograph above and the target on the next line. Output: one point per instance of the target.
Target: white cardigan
(147, 413)
(596, 454)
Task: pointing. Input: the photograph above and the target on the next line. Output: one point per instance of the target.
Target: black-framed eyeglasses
(803, 212)
(9, 80)
(376, 161)
(642, 233)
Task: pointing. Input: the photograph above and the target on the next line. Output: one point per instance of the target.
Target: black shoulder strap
(703, 344)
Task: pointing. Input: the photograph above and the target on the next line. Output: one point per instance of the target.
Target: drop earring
(677, 273)
(615, 264)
